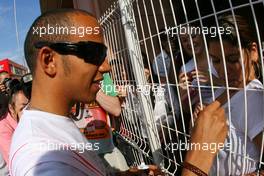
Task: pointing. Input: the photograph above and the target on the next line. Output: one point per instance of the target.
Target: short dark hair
(58, 17)
(17, 87)
(3, 104)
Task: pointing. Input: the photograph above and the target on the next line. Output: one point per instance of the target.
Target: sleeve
(108, 86)
(54, 168)
(43, 159)
(255, 120)
(154, 66)
(160, 66)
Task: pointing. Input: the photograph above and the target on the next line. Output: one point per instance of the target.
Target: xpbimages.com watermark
(78, 147)
(196, 30)
(144, 89)
(79, 31)
(211, 147)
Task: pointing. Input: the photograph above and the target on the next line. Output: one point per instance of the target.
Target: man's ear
(254, 52)
(47, 61)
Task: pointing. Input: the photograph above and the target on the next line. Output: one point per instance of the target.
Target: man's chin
(90, 99)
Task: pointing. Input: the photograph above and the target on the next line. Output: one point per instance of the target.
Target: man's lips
(97, 83)
(98, 80)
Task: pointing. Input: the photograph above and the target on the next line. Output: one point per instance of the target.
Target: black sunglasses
(90, 52)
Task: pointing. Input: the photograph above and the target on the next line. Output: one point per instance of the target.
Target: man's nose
(105, 67)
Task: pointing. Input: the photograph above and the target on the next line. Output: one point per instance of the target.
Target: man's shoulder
(35, 156)
(54, 168)
(254, 92)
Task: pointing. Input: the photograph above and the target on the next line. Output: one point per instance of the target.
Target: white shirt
(172, 98)
(88, 118)
(236, 137)
(161, 60)
(46, 144)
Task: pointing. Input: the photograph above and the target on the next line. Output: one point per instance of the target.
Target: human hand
(209, 128)
(198, 108)
(201, 76)
(152, 170)
(184, 81)
(2, 88)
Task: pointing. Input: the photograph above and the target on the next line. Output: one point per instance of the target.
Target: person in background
(26, 81)
(8, 122)
(196, 51)
(107, 98)
(246, 118)
(3, 109)
(96, 120)
(162, 63)
(3, 75)
(210, 128)
(4, 106)
(161, 66)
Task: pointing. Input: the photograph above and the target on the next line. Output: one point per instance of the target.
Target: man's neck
(49, 108)
(50, 100)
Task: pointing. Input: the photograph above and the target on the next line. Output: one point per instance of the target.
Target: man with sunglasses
(66, 69)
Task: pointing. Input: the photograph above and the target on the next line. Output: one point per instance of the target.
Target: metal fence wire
(218, 45)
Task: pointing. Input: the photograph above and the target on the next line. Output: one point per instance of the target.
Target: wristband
(193, 169)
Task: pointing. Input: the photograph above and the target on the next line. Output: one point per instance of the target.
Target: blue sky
(26, 12)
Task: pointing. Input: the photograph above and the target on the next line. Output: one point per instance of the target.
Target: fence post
(135, 56)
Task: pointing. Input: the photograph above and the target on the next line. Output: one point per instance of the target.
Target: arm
(6, 134)
(258, 141)
(2, 88)
(54, 168)
(210, 127)
(201, 159)
(5, 145)
(153, 170)
(109, 103)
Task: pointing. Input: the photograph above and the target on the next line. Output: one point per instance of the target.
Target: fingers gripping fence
(169, 59)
